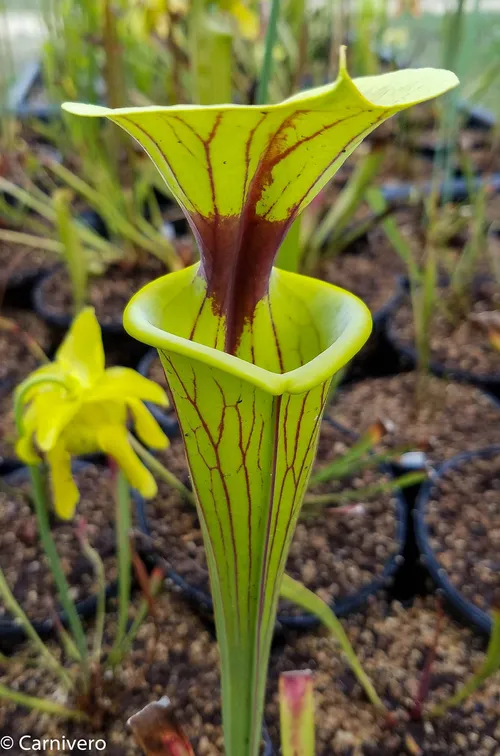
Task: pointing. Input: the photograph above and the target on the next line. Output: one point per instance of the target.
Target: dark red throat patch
(237, 256)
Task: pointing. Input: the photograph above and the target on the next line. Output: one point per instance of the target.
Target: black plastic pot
(10, 631)
(455, 190)
(377, 358)
(20, 285)
(62, 322)
(342, 608)
(408, 359)
(464, 609)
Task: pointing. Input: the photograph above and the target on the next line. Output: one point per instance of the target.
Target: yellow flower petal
(146, 426)
(54, 414)
(81, 434)
(65, 494)
(113, 440)
(247, 20)
(26, 451)
(81, 354)
(121, 383)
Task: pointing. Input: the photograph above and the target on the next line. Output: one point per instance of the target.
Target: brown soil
(333, 553)
(17, 260)
(109, 294)
(16, 363)
(393, 644)
(463, 518)
(21, 554)
(179, 659)
(449, 419)
(458, 342)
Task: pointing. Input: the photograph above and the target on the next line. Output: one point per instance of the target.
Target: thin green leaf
(298, 594)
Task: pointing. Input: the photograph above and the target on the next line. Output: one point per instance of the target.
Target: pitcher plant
(249, 350)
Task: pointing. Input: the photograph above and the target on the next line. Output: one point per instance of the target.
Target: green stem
(74, 254)
(161, 471)
(267, 65)
(41, 509)
(14, 608)
(123, 526)
(40, 704)
(142, 612)
(324, 500)
(63, 589)
(98, 566)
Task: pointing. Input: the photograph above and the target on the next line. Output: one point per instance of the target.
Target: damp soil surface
(334, 552)
(175, 655)
(22, 558)
(463, 520)
(440, 417)
(461, 337)
(108, 294)
(17, 361)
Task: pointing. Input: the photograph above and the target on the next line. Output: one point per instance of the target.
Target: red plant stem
(425, 680)
(142, 578)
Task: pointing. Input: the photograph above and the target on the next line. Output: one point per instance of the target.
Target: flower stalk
(123, 521)
(42, 514)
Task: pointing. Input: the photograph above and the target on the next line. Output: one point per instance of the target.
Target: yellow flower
(242, 16)
(74, 406)
(246, 19)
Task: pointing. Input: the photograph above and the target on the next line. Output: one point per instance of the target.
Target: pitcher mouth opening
(346, 325)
